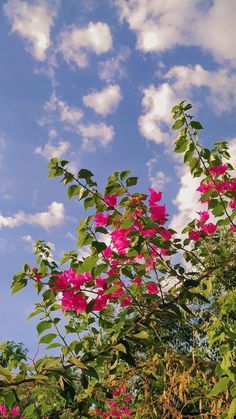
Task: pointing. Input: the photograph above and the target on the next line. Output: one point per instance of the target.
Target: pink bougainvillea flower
(209, 228)
(148, 232)
(158, 213)
(119, 292)
(128, 398)
(233, 185)
(155, 196)
(137, 281)
(125, 302)
(152, 288)
(111, 200)
(15, 411)
(165, 234)
(120, 240)
(101, 219)
(164, 252)
(204, 187)
(203, 216)
(194, 235)
(100, 281)
(107, 252)
(232, 203)
(72, 301)
(3, 409)
(218, 170)
(67, 279)
(100, 303)
(233, 228)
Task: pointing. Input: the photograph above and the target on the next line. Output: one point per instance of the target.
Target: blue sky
(93, 82)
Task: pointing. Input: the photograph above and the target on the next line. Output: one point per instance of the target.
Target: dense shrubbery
(150, 316)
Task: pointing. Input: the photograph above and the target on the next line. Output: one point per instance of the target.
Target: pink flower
(125, 302)
(120, 240)
(218, 170)
(209, 228)
(163, 252)
(165, 234)
(100, 303)
(15, 411)
(66, 279)
(233, 228)
(128, 399)
(203, 215)
(232, 203)
(158, 213)
(107, 252)
(194, 235)
(137, 281)
(148, 232)
(3, 409)
(155, 196)
(100, 281)
(72, 301)
(152, 288)
(203, 188)
(111, 200)
(101, 219)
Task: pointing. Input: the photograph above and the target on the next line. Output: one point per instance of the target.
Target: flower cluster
(117, 405)
(14, 412)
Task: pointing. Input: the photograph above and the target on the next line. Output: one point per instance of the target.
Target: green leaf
(131, 181)
(5, 372)
(84, 174)
(124, 174)
(44, 325)
(195, 125)
(232, 409)
(121, 348)
(77, 362)
(178, 124)
(73, 190)
(48, 338)
(18, 285)
(39, 377)
(141, 335)
(89, 263)
(219, 387)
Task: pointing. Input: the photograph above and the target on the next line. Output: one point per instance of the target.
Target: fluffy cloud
(156, 117)
(76, 43)
(182, 81)
(50, 150)
(51, 218)
(56, 110)
(105, 101)
(94, 134)
(162, 25)
(114, 67)
(157, 178)
(33, 22)
(218, 84)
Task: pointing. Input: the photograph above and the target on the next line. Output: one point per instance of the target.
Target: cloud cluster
(76, 43)
(33, 22)
(182, 81)
(114, 68)
(53, 217)
(94, 134)
(104, 101)
(163, 25)
(53, 150)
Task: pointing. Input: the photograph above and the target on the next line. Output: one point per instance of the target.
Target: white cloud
(182, 81)
(51, 218)
(114, 68)
(157, 178)
(76, 43)
(50, 150)
(27, 238)
(105, 101)
(57, 110)
(6, 247)
(96, 134)
(33, 22)
(156, 117)
(162, 25)
(218, 84)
